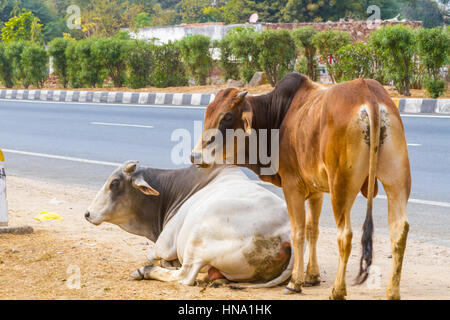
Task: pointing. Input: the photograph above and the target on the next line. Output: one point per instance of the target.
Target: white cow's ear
(142, 185)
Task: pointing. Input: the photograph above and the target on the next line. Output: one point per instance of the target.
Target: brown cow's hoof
(312, 283)
(338, 295)
(288, 290)
(392, 296)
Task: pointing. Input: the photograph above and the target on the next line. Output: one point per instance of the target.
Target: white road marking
(414, 144)
(380, 196)
(52, 156)
(96, 104)
(122, 125)
(427, 202)
(424, 116)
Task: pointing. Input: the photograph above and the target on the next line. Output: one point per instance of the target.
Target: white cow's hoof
(138, 274)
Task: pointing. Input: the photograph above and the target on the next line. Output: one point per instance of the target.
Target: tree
(110, 54)
(140, 62)
(164, 17)
(298, 11)
(6, 68)
(192, 10)
(433, 48)
(328, 43)
(57, 49)
(227, 61)
(426, 11)
(395, 45)
(142, 20)
(303, 38)
(169, 69)
(236, 11)
(34, 60)
(354, 61)
(25, 27)
(84, 69)
(277, 54)
(14, 54)
(105, 18)
(245, 50)
(196, 56)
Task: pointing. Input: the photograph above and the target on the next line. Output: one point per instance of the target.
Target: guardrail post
(3, 203)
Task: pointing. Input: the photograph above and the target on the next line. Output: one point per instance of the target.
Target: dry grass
(36, 266)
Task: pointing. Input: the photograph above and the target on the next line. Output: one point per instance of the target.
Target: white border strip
(52, 156)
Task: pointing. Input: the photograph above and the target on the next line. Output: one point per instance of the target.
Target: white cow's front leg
(152, 256)
(186, 275)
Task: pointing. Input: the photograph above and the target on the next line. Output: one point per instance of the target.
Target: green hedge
(407, 57)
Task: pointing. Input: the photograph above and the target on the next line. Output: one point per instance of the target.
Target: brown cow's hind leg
(342, 199)
(314, 208)
(399, 228)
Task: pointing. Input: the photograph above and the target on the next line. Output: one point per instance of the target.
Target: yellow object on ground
(43, 216)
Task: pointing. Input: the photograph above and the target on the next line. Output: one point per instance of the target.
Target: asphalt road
(79, 144)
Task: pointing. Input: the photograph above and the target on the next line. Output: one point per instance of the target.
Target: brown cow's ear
(247, 117)
(142, 185)
(241, 95)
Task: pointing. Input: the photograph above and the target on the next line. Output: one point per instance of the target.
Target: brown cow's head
(227, 111)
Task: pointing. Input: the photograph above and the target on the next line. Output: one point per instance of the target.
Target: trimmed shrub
(111, 53)
(84, 67)
(6, 69)
(227, 61)
(395, 45)
(435, 87)
(34, 61)
(303, 38)
(277, 54)
(169, 69)
(353, 61)
(328, 44)
(244, 49)
(14, 53)
(140, 61)
(196, 56)
(57, 49)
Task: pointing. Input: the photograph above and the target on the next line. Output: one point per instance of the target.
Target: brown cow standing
(339, 140)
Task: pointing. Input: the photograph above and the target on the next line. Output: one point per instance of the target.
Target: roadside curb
(144, 98)
(406, 105)
(415, 105)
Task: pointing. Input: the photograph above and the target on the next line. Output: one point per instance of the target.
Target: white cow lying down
(216, 220)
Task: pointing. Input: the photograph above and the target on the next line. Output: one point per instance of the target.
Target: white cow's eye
(114, 184)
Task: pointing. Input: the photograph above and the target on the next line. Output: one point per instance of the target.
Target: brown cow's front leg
(295, 200)
(314, 208)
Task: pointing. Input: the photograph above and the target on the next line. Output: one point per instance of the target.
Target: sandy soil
(415, 93)
(42, 265)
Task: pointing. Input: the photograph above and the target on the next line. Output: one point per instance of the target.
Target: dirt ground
(44, 265)
(415, 93)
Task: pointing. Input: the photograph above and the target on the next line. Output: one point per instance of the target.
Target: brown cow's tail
(366, 240)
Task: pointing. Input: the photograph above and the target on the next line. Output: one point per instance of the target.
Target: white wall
(172, 33)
